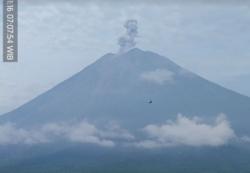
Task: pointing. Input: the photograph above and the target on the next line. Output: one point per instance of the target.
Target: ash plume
(127, 41)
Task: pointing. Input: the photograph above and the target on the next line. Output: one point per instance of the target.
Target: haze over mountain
(118, 87)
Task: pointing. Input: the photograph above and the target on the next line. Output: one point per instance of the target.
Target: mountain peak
(131, 51)
(136, 50)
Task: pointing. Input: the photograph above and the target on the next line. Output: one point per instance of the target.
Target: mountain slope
(118, 88)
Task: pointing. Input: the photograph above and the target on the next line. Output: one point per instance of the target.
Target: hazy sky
(58, 38)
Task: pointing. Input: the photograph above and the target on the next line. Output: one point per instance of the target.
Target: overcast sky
(59, 38)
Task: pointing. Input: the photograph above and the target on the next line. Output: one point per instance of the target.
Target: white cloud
(9, 134)
(158, 76)
(245, 139)
(189, 132)
(81, 132)
(114, 131)
(182, 132)
(87, 133)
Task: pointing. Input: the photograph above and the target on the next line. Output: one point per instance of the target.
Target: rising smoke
(127, 41)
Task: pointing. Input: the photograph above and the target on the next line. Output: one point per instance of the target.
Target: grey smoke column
(127, 41)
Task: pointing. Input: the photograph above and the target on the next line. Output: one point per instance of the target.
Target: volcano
(118, 87)
(135, 89)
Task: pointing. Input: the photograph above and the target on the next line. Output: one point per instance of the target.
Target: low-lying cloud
(158, 76)
(189, 132)
(183, 131)
(245, 139)
(9, 134)
(81, 132)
